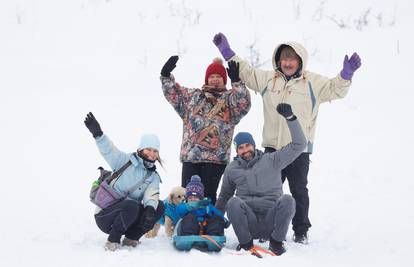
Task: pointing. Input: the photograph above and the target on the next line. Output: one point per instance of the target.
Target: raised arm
(330, 89)
(108, 150)
(239, 98)
(179, 97)
(290, 152)
(255, 79)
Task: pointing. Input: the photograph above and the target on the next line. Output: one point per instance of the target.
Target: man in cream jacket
(291, 83)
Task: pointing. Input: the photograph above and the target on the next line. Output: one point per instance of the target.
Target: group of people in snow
(251, 193)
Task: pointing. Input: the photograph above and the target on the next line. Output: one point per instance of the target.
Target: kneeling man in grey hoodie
(259, 208)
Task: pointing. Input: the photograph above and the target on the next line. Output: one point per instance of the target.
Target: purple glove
(350, 66)
(220, 41)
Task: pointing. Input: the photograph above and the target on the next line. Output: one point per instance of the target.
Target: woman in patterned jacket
(209, 116)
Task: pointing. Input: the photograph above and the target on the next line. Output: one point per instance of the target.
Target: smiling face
(215, 80)
(246, 151)
(289, 66)
(150, 154)
(289, 61)
(216, 74)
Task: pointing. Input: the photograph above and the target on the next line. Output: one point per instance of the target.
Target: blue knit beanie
(195, 187)
(243, 138)
(149, 141)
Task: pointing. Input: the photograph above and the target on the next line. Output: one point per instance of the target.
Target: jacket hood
(299, 49)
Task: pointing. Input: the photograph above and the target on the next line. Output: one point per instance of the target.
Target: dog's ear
(170, 197)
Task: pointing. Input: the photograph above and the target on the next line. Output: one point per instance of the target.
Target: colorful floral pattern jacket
(208, 118)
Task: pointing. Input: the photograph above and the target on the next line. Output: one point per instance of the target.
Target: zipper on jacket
(280, 101)
(283, 92)
(247, 181)
(282, 121)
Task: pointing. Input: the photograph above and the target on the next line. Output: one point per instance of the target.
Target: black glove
(233, 71)
(149, 218)
(169, 66)
(93, 125)
(285, 110)
(226, 223)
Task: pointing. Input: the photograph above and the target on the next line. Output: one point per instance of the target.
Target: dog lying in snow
(170, 217)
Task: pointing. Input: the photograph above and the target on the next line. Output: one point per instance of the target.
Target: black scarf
(148, 164)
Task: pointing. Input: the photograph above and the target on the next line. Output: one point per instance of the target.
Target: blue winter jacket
(170, 210)
(148, 193)
(202, 212)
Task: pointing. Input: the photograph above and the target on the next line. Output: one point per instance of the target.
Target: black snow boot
(245, 246)
(300, 238)
(276, 247)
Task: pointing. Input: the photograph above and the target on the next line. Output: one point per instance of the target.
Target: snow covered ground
(62, 59)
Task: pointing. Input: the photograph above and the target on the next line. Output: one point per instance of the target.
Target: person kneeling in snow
(137, 213)
(260, 209)
(199, 216)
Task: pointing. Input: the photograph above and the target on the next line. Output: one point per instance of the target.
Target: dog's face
(177, 195)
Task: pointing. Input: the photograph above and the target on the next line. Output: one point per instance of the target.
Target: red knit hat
(216, 68)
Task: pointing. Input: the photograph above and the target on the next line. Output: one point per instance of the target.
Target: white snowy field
(62, 59)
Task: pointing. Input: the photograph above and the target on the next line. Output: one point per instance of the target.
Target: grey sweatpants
(247, 225)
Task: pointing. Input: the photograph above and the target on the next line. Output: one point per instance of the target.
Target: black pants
(210, 174)
(190, 226)
(297, 176)
(124, 218)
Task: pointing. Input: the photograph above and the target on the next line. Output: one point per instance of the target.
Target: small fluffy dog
(170, 217)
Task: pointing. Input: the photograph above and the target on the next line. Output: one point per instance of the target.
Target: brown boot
(129, 242)
(111, 246)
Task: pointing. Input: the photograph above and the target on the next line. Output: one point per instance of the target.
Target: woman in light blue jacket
(141, 209)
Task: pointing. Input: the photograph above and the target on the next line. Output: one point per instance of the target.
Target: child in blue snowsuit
(199, 216)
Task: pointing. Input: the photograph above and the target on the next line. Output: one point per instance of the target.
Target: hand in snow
(93, 125)
(169, 66)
